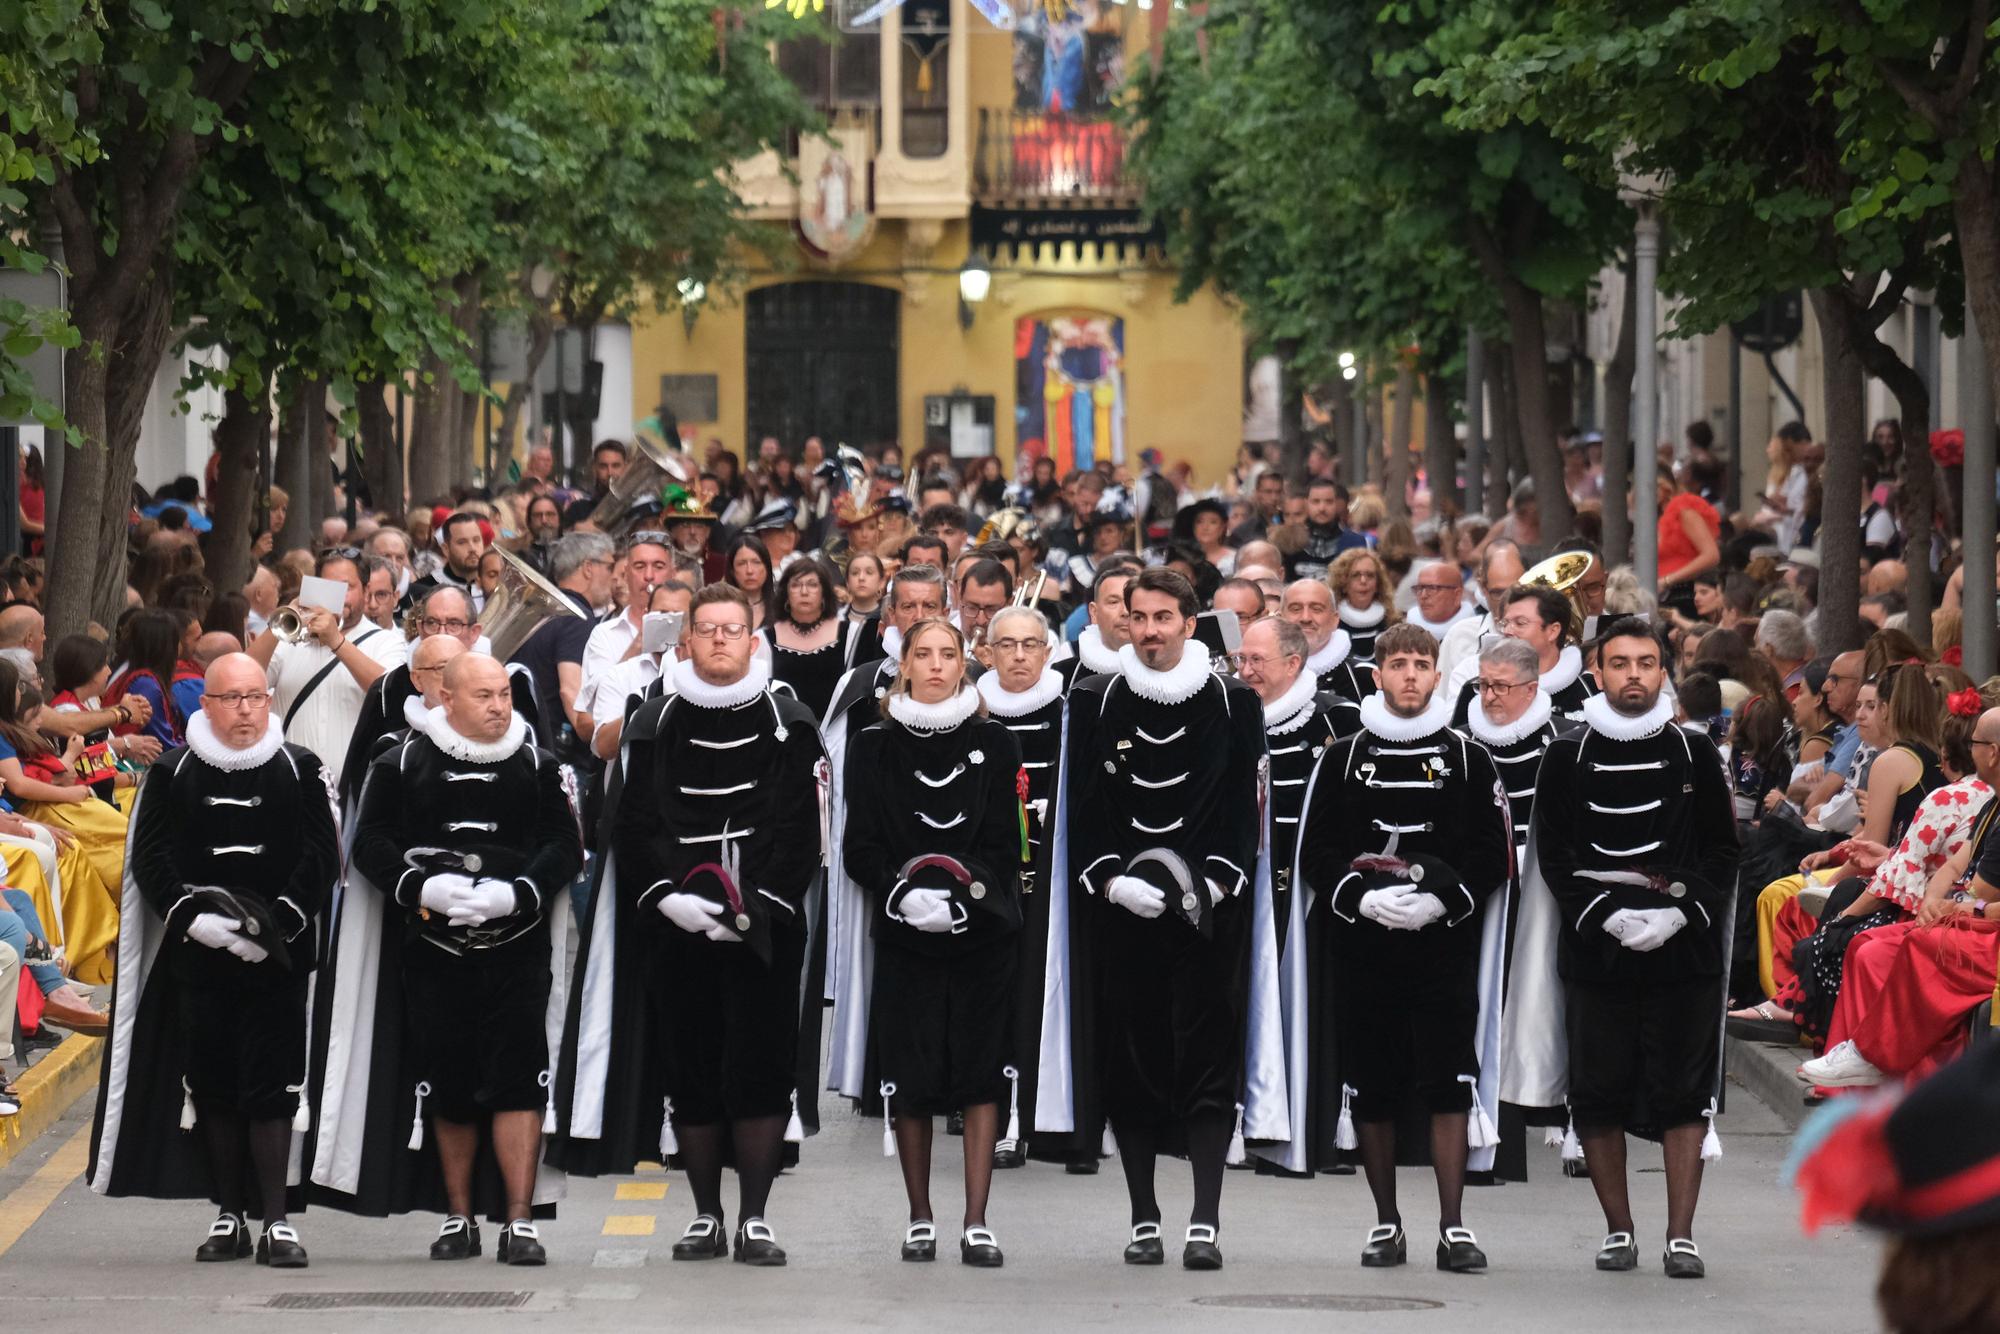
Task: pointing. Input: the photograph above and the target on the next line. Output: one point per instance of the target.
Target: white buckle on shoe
(224, 1226)
(1454, 1235)
(757, 1229)
(980, 1236)
(1201, 1232)
(1683, 1246)
(922, 1230)
(1617, 1241)
(1384, 1232)
(701, 1229)
(281, 1232)
(455, 1223)
(521, 1227)
(1145, 1232)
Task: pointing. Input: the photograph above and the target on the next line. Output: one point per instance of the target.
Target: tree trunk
(541, 333)
(1976, 208)
(1505, 430)
(74, 552)
(1840, 499)
(1618, 373)
(1396, 444)
(1378, 434)
(1919, 489)
(1291, 414)
(1441, 448)
(430, 459)
(245, 425)
(289, 468)
(319, 463)
(381, 462)
(1527, 337)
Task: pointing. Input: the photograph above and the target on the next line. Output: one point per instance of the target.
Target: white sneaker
(1843, 1067)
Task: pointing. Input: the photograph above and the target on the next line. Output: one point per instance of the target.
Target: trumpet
(289, 624)
(1027, 595)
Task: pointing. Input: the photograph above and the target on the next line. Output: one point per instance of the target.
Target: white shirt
(325, 722)
(617, 686)
(606, 646)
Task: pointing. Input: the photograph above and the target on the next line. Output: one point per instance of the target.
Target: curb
(47, 1090)
(1769, 1073)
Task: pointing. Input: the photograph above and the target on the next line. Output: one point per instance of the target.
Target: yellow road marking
(644, 1169)
(32, 1198)
(629, 1225)
(641, 1190)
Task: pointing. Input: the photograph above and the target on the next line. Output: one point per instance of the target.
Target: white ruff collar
(892, 641)
(701, 694)
(1606, 721)
(1375, 716)
(1015, 704)
(1496, 734)
(1437, 628)
(939, 717)
(1179, 683)
(1330, 657)
(1569, 666)
(440, 731)
(1288, 712)
(1096, 657)
(1359, 619)
(416, 713)
(210, 750)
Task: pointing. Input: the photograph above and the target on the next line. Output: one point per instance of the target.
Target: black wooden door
(820, 359)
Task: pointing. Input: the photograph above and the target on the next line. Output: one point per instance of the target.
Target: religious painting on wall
(1069, 56)
(835, 217)
(1069, 388)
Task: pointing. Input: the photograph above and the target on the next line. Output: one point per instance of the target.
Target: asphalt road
(85, 1263)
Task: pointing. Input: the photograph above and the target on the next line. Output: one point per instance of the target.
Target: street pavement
(87, 1263)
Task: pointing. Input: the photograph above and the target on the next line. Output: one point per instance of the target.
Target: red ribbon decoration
(1964, 703)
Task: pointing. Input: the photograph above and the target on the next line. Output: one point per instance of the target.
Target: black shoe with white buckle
(1009, 1153)
(1199, 1251)
(703, 1240)
(1683, 1259)
(1145, 1248)
(920, 1240)
(980, 1249)
(1619, 1253)
(228, 1239)
(1387, 1247)
(279, 1247)
(521, 1244)
(1458, 1251)
(757, 1245)
(458, 1239)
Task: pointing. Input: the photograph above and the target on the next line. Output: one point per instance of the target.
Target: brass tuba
(1004, 525)
(521, 602)
(1563, 572)
(650, 466)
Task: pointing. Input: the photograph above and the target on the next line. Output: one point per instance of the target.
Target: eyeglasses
(1437, 588)
(431, 625)
(1502, 687)
(415, 670)
(1258, 661)
(255, 699)
(1017, 645)
(1977, 742)
(340, 553)
(647, 537)
(732, 632)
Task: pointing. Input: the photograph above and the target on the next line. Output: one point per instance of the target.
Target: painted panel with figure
(1069, 395)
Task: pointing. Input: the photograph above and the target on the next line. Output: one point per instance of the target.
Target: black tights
(270, 1150)
(1449, 1151)
(760, 1151)
(1208, 1147)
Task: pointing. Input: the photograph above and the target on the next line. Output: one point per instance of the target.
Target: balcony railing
(1032, 156)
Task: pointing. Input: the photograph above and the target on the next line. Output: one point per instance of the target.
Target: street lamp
(975, 280)
(692, 292)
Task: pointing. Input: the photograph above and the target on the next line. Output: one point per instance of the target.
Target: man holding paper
(321, 680)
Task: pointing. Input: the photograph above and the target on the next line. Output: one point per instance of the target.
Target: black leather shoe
(458, 1239)
(521, 1244)
(1341, 1170)
(1620, 1252)
(703, 1240)
(1200, 1250)
(1459, 1253)
(1145, 1248)
(1009, 1153)
(757, 1245)
(955, 1124)
(228, 1239)
(920, 1240)
(279, 1247)
(1683, 1259)
(1387, 1247)
(1081, 1167)
(980, 1249)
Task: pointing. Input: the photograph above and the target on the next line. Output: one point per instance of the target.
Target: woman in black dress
(937, 848)
(867, 586)
(807, 638)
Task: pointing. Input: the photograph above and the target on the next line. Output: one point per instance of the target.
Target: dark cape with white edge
(763, 778)
(382, 715)
(139, 1144)
(1339, 670)
(363, 1159)
(849, 949)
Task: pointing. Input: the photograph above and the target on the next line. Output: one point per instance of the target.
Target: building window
(836, 66)
(926, 92)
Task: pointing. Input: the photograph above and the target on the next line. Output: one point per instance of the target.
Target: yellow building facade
(956, 143)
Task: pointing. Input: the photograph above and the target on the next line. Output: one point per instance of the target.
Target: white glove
(247, 950)
(926, 909)
(1388, 905)
(1216, 893)
(440, 890)
(1417, 911)
(1136, 896)
(691, 912)
(480, 902)
(1617, 924)
(214, 930)
(1654, 928)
